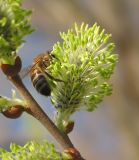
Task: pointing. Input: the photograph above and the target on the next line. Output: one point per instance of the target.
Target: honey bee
(39, 73)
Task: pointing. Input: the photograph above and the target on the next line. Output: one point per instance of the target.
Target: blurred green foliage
(33, 151)
(14, 25)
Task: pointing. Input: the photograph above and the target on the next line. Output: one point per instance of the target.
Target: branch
(36, 111)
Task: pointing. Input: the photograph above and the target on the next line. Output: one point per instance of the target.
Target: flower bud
(14, 112)
(12, 70)
(69, 127)
(73, 152)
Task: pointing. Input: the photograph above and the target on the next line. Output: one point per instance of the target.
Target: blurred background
(111, 132)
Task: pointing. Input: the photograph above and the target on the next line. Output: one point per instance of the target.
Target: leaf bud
(69, 127)
(14, 112)
(12, 70)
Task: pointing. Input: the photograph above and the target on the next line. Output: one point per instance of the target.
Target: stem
(36, 111)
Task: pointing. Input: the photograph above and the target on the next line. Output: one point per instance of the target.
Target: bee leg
(55, 79)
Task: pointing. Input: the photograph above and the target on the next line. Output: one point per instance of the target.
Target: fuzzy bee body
(39, 67)
(40, 83)
(39, 73)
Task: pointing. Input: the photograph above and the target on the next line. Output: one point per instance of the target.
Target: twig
(35, 110)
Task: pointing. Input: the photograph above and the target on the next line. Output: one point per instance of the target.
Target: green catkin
(86, 61)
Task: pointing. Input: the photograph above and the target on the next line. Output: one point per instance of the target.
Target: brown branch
(36, 111)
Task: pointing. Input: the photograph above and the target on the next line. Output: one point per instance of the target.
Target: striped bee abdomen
(40, 83)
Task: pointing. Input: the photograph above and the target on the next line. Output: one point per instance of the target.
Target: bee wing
(25, 71)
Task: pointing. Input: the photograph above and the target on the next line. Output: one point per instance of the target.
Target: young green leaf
(14, 25)
(33, 151)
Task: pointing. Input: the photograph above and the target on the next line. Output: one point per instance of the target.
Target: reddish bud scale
(14, 112)
(69, 127)
(73, 152)
(12, 70)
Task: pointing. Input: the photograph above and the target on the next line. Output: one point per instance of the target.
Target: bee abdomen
(41, 84)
